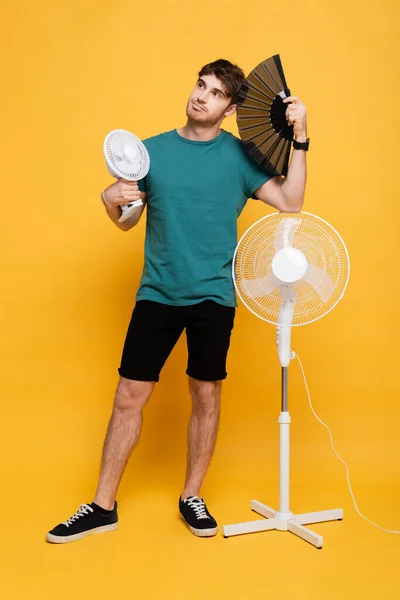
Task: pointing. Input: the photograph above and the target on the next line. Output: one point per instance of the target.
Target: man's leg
(202, 432)
(208, 333)
(122, 434)
(152, 333)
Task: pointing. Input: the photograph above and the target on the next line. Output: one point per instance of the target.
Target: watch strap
(301, 145)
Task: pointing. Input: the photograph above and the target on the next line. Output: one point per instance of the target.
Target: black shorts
(155, 328)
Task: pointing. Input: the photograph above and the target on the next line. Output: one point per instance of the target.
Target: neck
(198, 133)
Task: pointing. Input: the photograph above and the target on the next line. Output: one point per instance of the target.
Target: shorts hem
(136, 378)
(199, 378)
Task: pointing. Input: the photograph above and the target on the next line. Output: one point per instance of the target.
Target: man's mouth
(198, 106)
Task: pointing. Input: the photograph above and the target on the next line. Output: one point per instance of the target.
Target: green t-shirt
(195, 193)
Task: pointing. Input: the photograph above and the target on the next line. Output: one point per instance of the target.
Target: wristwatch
(301, 145)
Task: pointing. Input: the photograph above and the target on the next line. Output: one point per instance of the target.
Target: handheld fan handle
(128, 209)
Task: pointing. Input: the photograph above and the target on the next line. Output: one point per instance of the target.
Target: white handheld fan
(126, 158)
(289, 269)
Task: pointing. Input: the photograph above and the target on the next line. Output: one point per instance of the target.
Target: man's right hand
(122, 192)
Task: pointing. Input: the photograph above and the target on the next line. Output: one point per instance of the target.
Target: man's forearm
(115, 212)
(294, 184)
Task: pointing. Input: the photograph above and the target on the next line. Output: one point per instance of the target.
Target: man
(199, 182)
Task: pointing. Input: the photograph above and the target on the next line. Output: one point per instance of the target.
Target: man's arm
(287, 194)
(119, 193)
(115, 212)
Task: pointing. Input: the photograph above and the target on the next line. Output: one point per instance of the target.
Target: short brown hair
(231, 76)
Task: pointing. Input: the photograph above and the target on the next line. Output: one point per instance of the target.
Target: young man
(199, 182)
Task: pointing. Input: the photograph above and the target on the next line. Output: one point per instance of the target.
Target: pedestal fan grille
(327, 259)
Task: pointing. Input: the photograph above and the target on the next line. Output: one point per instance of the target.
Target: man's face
(208, 102)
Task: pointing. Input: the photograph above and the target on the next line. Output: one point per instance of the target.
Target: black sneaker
(89, 519)
(194, 512)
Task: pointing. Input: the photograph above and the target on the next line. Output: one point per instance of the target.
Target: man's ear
(230, 110)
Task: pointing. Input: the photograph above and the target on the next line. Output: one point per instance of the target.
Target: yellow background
(71, 72)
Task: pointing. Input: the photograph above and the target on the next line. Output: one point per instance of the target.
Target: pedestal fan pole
(285, 401)
(284, 450)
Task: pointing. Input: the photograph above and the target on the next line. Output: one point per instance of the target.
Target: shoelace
(198, 506)
(84, 509)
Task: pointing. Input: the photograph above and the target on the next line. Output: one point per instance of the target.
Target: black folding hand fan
(260, 116)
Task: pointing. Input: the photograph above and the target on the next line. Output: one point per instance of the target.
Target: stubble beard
(200, 118)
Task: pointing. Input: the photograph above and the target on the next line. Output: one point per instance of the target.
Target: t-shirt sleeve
(253, 175)
(142, 184)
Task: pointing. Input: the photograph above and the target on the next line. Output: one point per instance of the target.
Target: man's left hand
(296, 115)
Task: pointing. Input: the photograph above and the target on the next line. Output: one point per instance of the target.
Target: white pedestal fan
(289, 269)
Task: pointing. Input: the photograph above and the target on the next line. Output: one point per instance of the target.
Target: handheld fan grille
(261, 119)
(289, 269)
(126, 158)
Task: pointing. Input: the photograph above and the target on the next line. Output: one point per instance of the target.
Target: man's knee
(132, 395)
(205, 394)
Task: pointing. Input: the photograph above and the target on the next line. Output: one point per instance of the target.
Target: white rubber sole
(63, 539)
(201, 532)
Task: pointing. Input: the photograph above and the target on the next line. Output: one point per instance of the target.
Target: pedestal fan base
(285, 522)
